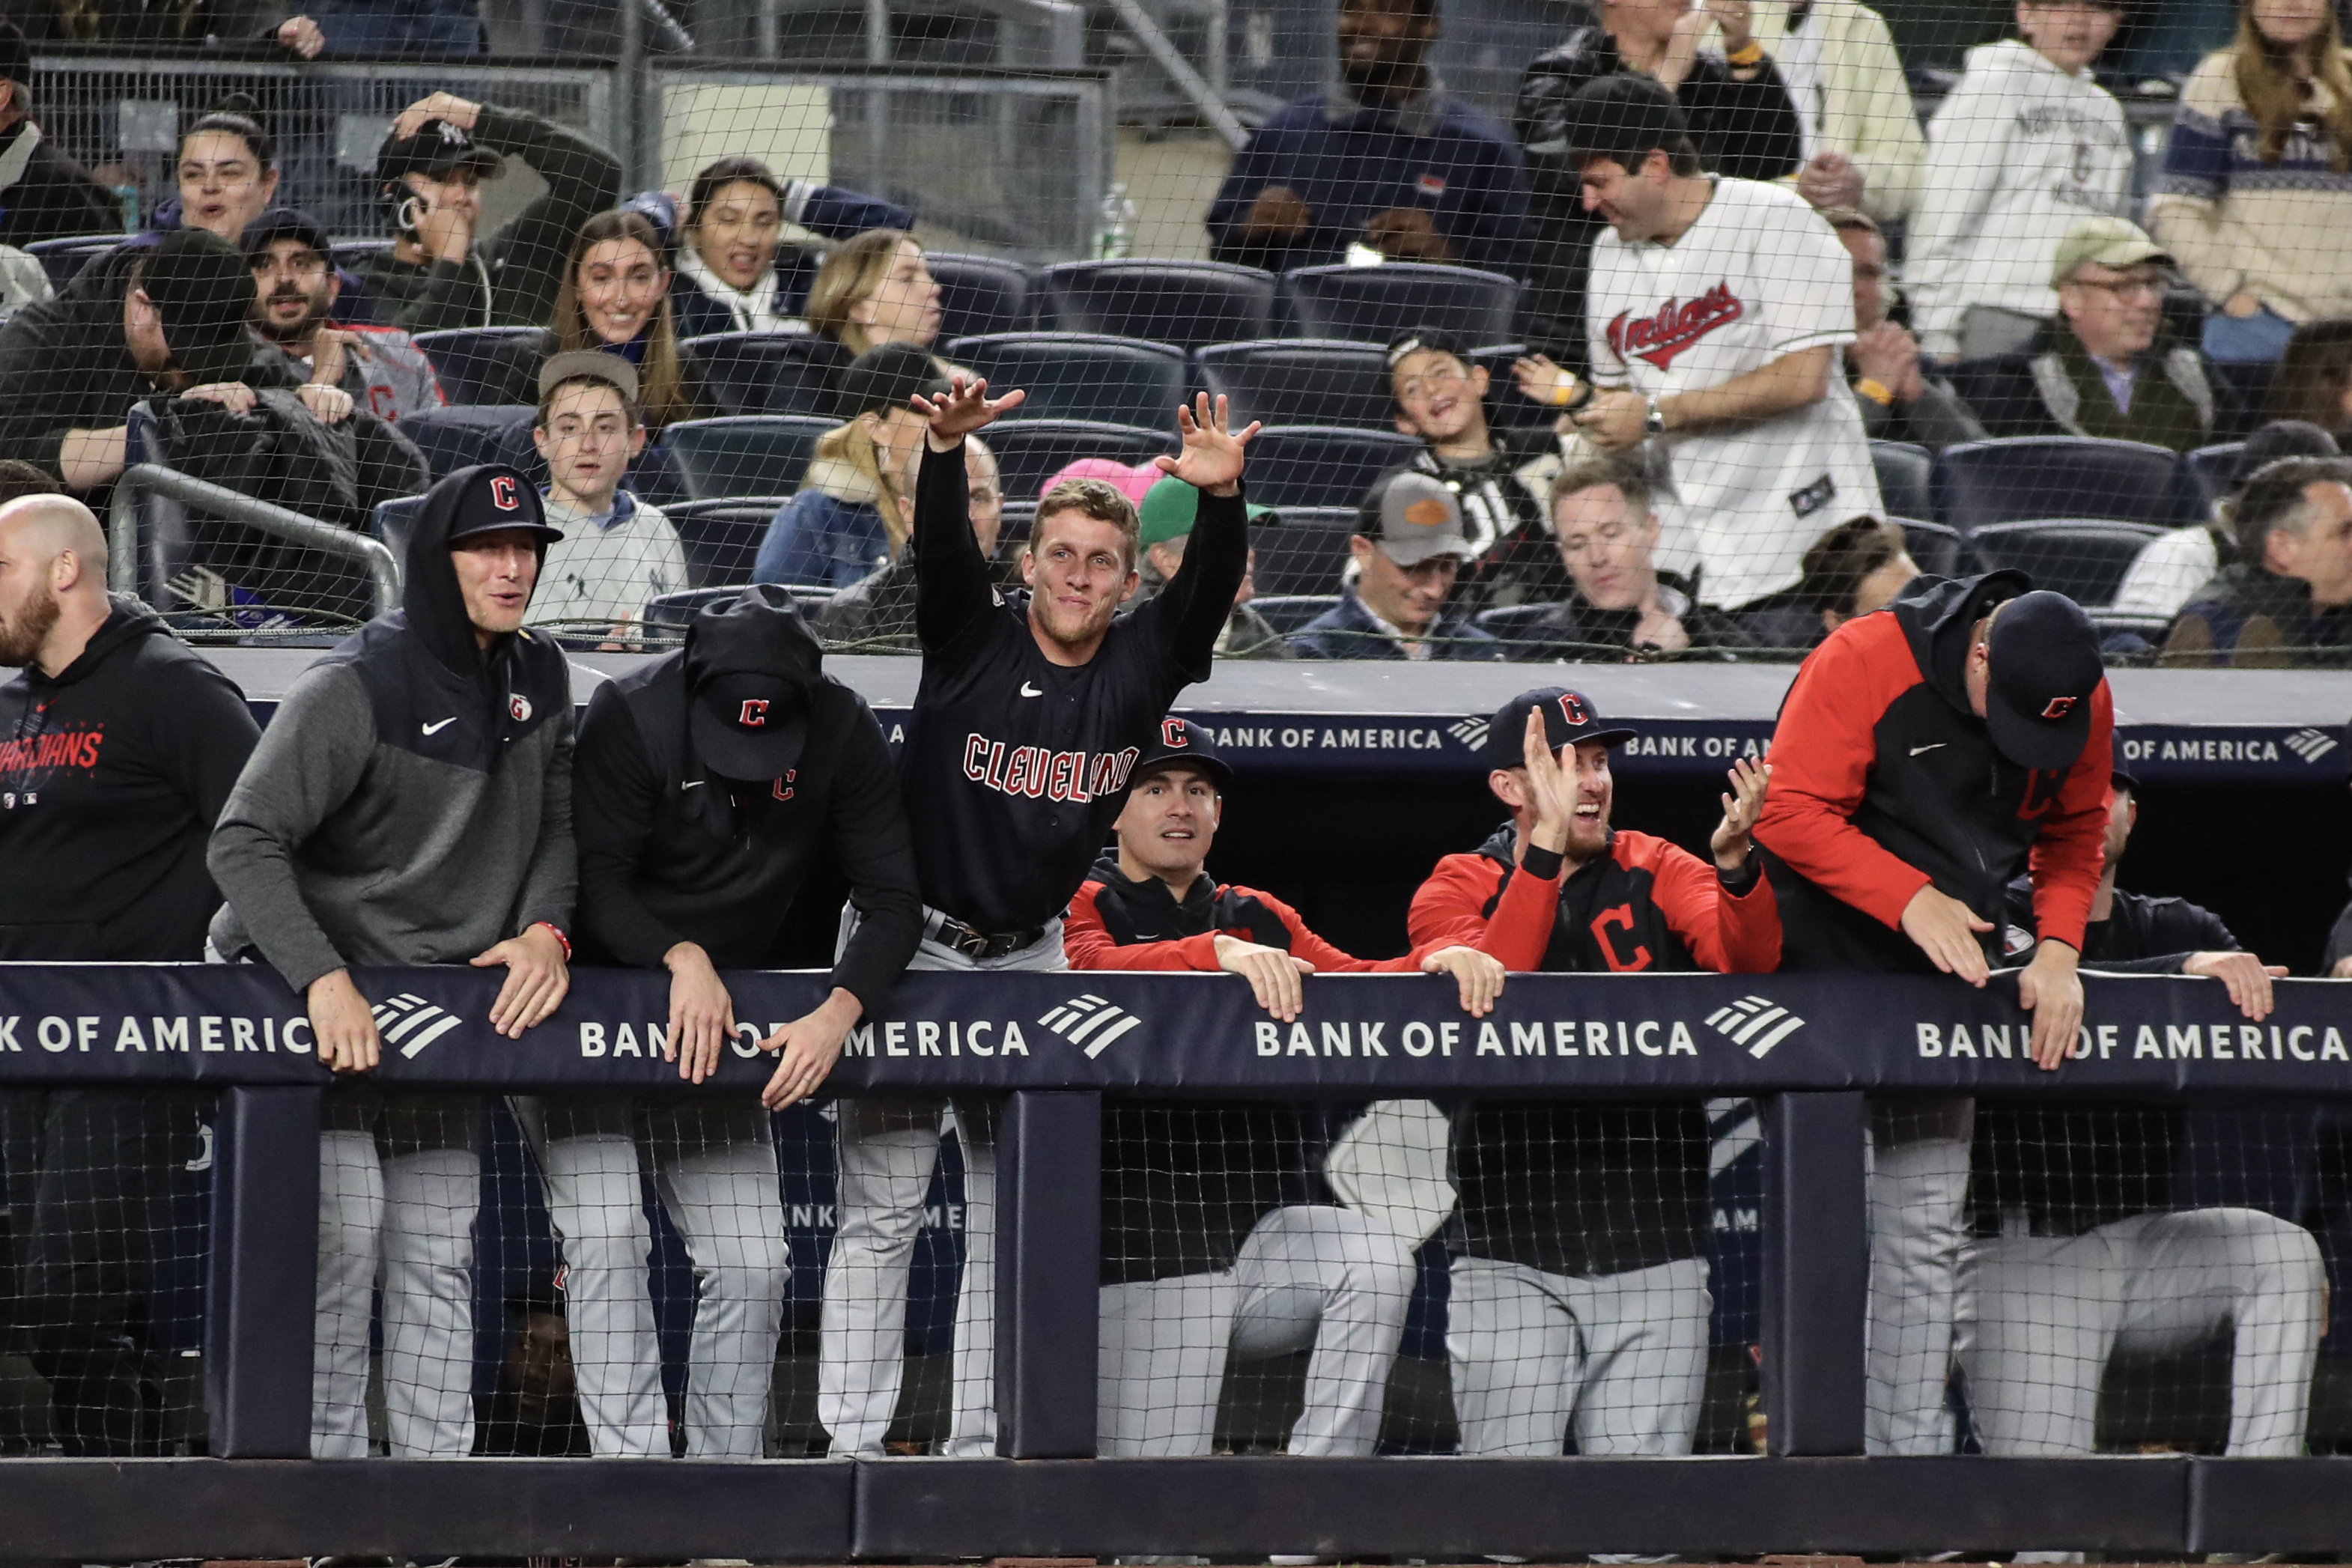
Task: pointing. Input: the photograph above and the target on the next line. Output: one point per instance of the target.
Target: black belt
(981, 947)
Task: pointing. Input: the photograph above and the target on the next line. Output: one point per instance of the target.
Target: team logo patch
(1756, 1022)
(412, 1022)
(1431, 185)
(782, 788)
(518, 706)
(1678, 324)
(1572, 709)
(503, 494)
(1090, 1021)
(2059, 706)
(1172, 734)
(1430, 513)
(754, 715)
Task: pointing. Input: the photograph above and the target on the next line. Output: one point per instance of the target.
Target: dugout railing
(1831, 1041)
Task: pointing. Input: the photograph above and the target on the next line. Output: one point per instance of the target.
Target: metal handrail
(142, 480)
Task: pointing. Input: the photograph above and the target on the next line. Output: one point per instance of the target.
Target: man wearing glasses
(879, 612)
(2108, 366)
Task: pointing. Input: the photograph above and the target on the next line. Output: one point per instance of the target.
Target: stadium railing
(129, 538)
(1831, 1042)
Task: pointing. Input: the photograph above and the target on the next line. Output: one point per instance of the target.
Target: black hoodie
(111, 773)
(670, 852)
(411, 802)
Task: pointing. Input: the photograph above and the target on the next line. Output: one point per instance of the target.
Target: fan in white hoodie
(2026, 145)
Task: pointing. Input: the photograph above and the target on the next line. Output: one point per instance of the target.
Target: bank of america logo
(1471, 733)
(1091, 1022)
(2310, 745)
(412, 1022)
(1756, 1022)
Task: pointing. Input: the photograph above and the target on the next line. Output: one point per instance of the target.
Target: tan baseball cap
(2108, 241)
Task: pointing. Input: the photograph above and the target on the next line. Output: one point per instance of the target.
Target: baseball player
(1925, 756)
(1028, 719)
(411, 803)
(1221, 1235)
(1580, 1298)
(706, 786)
(2078, 1254)
(1715, 315)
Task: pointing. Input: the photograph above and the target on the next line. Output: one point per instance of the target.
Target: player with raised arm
(1028, 720)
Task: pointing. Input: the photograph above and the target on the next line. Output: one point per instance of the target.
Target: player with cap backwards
(1028, 719)
(411, 803)
(1925, 756)
(1579, 1276)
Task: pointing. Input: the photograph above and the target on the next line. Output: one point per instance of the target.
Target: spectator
(851, 517)
(438, 273)
(1580, 1300)
(1167, 511)
(1900, 397)
(1407, 552)
(44, 194)
(19, 479)
(1440, 398)
(615, 298)
(2023, 148)
(1854, 568)
(411, 802)
(228, 170)
(2314, 379)
(1219, 1216)
(1619, 605)
(123, 745)
(2170, 569)
(296, 287)
(413, 29)
(1863, 148)
(696, 880)
(2260, 163)
(1924, 758)
(728, 274)
(2109, 367)
(1716, 313)
(874, 289)
(169, 316)
(1740, 117)
(878, 612)
(2285, 603)
(617, 552)
(1386, 159)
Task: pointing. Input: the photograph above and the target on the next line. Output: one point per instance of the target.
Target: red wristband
(557, 931)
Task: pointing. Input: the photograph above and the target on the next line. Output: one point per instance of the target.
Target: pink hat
(1129, 482)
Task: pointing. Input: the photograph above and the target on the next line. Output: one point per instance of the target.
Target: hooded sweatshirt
(411, 802)
(670, 852)
(111, 773)
(2017, 155)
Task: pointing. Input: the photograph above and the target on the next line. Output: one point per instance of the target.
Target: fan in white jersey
(1715, 316)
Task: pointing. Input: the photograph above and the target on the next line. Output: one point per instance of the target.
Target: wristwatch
(1653, 422)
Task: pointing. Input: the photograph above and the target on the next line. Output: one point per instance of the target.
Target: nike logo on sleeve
(1930, 746)
(436, 729)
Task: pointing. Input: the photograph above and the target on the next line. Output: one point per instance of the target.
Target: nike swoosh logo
(693, 784)
(1930, 746)
(436, 729)
(1029, 690)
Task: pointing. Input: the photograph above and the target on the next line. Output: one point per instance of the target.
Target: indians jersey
(1758, 276)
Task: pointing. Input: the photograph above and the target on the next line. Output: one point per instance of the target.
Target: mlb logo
(1431, 185)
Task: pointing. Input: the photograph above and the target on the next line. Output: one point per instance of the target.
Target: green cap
(2110, 242)
(1169, 506)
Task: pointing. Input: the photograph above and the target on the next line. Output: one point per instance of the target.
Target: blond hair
(853, 270)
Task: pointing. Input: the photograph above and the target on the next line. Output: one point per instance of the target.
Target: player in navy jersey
(1032, 711)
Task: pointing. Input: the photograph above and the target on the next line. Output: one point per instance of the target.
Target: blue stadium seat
(769, 372)
(392, 521)
(1310, 465)
(63, 260)
(1903, 477)
(746, 455)
(1294, 381)
(2083, 561)
(1188, 303)
(1372, 304)
(1286, 613)
(721, 537)
(2030, 479)
(979, 294)
(474, 363)
(1940, 552)
(458, 437)
(1031, 451)
(1508, 622)
(2208, 469)
(1077, 375)
(1306, 551)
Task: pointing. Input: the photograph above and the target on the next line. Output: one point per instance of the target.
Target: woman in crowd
(727, 280)
(228, 170)
(2257, 188)
(853, 514)
(875, 289)
(2313, 380)
(615, 297)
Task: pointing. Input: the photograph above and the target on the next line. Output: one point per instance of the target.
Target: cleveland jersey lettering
(1037, 772)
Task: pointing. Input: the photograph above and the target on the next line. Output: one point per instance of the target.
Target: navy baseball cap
(1569, 719)
(1180, 741)
(283, 223)
(498, 499)
(749, 725)
(438, 149)
(2045, 667)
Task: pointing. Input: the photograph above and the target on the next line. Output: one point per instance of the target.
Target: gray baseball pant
(1918, 1196)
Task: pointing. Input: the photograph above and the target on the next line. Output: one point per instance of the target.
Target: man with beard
(117, 746)
(295, 288)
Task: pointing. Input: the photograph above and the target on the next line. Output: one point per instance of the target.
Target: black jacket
(112, 775)
(670, 852)
(1575, 630)
(876, 612)
(1519, 561)
(2141, 935)
(54, 198)
(2050, 387)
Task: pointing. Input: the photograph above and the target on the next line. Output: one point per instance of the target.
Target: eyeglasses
(2123, 287)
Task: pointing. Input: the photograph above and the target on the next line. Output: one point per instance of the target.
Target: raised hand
(1741, 807)
(1551, 790)
(461, 112)
(966, 407)
(1213, 455)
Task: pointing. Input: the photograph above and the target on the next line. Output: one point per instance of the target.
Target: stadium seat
(1031, 451)
(2083, 561)
(1079, 375)
(1188, 303)
(1507, 621)
(1310, 465)
(63, 260)
(458, 437)
(392, 521)
(1297, 381)
(1506, 408)
(721, 537)
(1306, 551)
(746, 455)
(676, 610)
(1903, 469)
(474, 363)
(979, 294)
(1940, 552)
(2029, 479)
(2208, 469)
(769, 372)
(1286, 613)
(350, 253)
(1372, 304)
